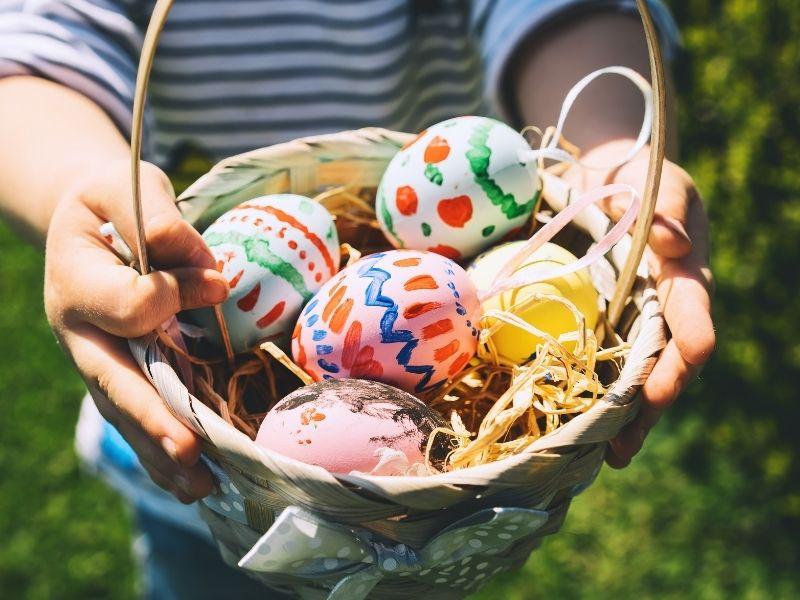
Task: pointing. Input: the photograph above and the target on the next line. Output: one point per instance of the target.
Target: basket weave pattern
(395, 523)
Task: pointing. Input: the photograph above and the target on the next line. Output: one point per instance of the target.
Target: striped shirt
(239, 74)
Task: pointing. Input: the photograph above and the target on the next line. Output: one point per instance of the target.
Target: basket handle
(627, 276)
(154, 28)
(644, 221)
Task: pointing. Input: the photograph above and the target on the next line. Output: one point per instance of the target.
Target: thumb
(668, 236)
(157, 296)
(119, 300)
(170, 240)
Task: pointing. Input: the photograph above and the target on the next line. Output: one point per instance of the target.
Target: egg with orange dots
(458, 188)
(275, 251)
(408, 318)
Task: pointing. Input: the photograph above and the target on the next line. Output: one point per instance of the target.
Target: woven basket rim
(328, 147)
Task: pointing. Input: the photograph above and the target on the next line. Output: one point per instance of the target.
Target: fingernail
(170, 447)
(678, 228)
(214, 291)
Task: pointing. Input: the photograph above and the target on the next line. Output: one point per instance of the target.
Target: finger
(164, 480)
(668, 237)
(671, 374)
(668, 234)
(170, 240)
(166, 484)
(684, 289)
(629, 442)
(186, 483)
(669, 377)
(122, 302)
(698, 227)
(107, 366)
(86, 281)
(686, 301)
(195, 481)
(613, 460)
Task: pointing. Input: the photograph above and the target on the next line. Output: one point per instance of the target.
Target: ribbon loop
(504, 280)
(392, 558)
(305, 545)
(552, 150)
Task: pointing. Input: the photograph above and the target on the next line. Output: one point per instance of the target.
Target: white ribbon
(504, 281)
(552, 150)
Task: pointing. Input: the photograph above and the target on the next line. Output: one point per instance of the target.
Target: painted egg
(458, 188)
(276, 252)
(352, 425)
(552, 317)
(404, 317)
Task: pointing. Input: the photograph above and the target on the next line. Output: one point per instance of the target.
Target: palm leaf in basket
(353, 160)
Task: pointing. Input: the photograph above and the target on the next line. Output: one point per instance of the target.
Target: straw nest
(496, 408)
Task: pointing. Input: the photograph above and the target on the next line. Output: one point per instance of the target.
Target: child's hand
(679, 260)
(93, 301)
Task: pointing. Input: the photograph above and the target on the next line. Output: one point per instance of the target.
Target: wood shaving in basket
(496, 408)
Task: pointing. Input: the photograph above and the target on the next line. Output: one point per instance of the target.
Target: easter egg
(458, 188)
(549, 316)
(275, 251)
(404, 317)
(349, 425)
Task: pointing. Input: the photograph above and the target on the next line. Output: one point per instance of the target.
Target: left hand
(679, 254)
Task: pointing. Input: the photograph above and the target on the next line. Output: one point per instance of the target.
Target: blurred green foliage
(709, 509)
(63, 534)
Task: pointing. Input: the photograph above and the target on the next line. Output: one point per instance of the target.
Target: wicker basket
(299, 528)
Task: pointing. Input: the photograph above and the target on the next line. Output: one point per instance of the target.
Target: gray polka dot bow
(303, 544)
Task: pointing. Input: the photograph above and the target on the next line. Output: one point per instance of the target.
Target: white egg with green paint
(275, 251)
(458, 188)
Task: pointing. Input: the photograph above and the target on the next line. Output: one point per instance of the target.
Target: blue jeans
(177, 558)
(176, 564)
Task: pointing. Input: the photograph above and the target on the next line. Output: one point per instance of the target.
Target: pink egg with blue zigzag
(404, 317)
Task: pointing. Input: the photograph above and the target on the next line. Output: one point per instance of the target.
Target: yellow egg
(549, 316)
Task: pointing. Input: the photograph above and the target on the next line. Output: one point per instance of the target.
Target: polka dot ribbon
(303, 544)
(226, 500)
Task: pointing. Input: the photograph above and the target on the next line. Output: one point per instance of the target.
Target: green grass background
(709, 509)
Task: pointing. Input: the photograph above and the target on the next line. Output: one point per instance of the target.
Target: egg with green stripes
(458, 188)
(276, 251)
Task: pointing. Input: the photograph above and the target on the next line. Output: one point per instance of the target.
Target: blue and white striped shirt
(236, 75)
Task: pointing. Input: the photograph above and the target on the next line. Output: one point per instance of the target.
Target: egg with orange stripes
(275, 251)
(404, 317)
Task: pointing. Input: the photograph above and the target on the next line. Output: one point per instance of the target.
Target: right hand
(93, 302)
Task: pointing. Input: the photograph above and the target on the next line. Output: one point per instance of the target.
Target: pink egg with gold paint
(405, 317)
(352, 425)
